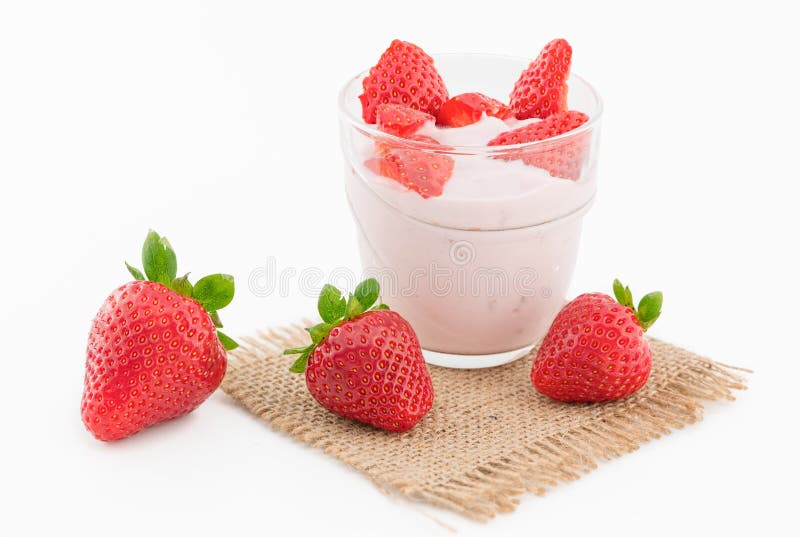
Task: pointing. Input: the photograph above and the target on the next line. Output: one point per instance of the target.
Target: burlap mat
(489, 437)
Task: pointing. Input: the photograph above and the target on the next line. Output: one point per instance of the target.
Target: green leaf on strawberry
(299, 365)
(334, 309)
(213, 292)
(623, 294)
(135, 272)
(182, 286)
(227, 341)
(649, 308)
(215, 318)
(354, 307)
(331, 304)
(367, 292)
(319, 331)
(159, 260)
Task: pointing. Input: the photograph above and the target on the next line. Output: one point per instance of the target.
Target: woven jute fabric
(489, 437)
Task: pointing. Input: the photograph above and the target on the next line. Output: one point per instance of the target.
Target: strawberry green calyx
(160, 264)
(334, 309)
(649, 306)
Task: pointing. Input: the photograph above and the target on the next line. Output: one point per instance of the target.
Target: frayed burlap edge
(496, 487)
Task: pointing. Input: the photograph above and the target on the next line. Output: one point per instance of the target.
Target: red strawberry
(424, 172)
(404, 75)
(595, 349)
(428, 140)
(364, 363)
(562, 158)
(154, 353)
(401, 120)
(383, 145)
(542, 88)
(554, 125)
(467, 108)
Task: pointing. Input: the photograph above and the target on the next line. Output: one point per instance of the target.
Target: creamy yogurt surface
(484, 193)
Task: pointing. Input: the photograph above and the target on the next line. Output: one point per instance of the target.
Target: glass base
(473, 361)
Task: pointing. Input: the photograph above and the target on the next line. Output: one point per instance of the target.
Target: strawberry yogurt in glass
(468, 209)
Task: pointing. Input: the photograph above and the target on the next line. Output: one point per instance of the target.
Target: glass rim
(371, 130)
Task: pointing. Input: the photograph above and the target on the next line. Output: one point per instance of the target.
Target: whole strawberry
(154, 351)
(404, 75)
(595, 349)
(365, 363)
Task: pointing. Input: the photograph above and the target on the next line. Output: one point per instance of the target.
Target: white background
(215, 124)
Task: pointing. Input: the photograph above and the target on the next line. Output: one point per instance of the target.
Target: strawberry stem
(649, 309)
(160, 264)
(334, 309)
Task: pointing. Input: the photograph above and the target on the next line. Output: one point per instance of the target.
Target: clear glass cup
(481, 271)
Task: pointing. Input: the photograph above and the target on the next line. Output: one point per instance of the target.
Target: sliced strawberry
(423, 172)
(404, 75)
(467, 108)
(562, 158)
(541, 130)
(384, 145)
(400, 120)
(542, 88)
(427, 140)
